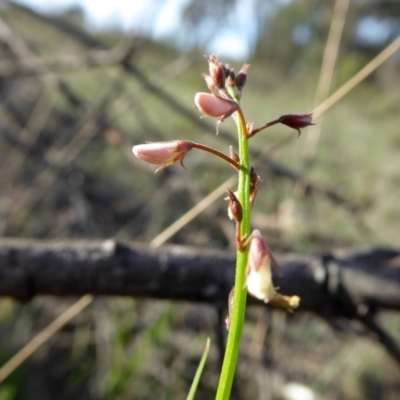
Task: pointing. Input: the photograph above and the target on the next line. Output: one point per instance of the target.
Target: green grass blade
(199, 371)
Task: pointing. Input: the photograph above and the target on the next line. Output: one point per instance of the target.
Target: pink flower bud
(259, 275)
(296, 121)
(215, 106)
(217, 72)
(241, 77)
(163, 153)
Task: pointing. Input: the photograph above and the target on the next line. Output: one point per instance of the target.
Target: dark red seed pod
(241, 76)
(296, 121)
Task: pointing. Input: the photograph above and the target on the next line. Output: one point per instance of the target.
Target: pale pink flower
(215, 106)
(163, 153)
(259, 275)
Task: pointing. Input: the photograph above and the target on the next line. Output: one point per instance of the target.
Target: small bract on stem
(235, 212)
(254, 260)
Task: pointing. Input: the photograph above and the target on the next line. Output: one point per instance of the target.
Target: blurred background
(82, 81)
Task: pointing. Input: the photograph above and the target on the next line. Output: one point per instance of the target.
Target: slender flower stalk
(253, 259)
(236, 317)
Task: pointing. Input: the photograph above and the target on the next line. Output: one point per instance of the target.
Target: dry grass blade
(357, 78)
(44, 336)
(327, 68)
(193, 212)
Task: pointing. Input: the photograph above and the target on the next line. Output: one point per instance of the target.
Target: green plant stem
(240, 295)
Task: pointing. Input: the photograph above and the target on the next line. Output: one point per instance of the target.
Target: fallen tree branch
(331, 284)
(354, 284)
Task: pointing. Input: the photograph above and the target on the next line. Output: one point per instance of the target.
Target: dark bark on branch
(336, 284)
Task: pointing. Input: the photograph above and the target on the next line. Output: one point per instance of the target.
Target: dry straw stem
(81, 304)
(44, 335)
(327, 68)
(193, 212)
(331, 50)
(357, 78)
